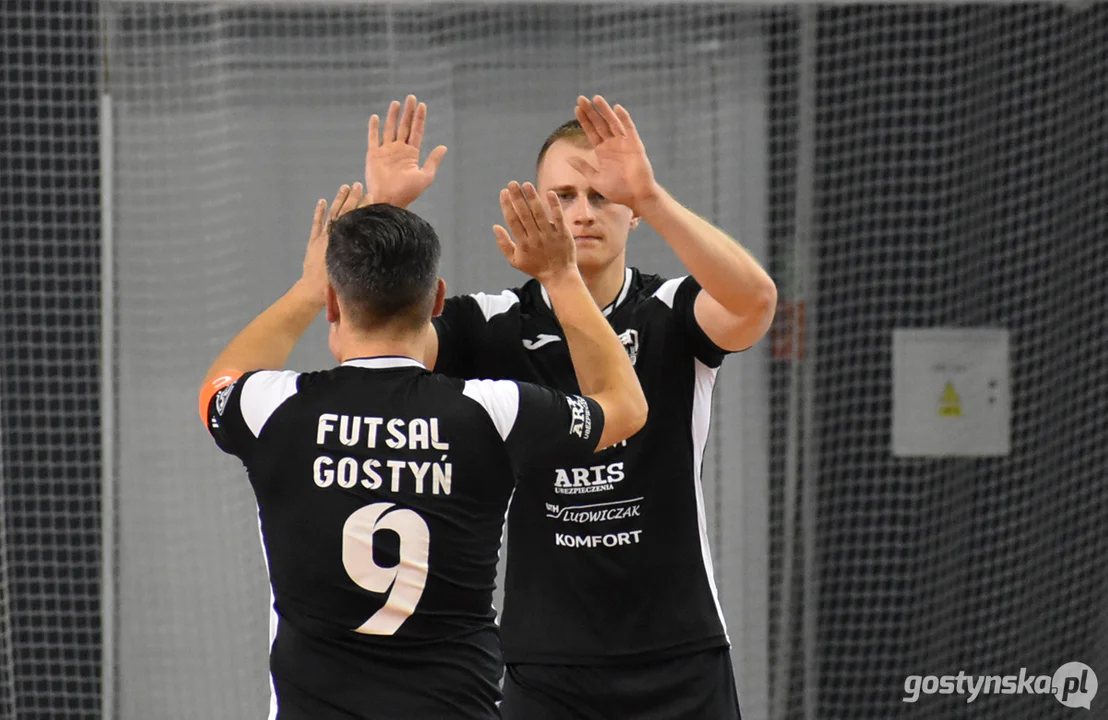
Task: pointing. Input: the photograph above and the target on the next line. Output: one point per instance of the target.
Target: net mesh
(957, 163)
(49, 362)
(959, 158)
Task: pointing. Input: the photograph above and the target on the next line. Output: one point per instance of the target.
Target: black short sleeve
(225, 422)
(684, 308)
(238, 413)
(539, 424)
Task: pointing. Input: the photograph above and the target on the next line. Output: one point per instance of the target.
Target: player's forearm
(599, 360)
(722, 267)
(267, 342)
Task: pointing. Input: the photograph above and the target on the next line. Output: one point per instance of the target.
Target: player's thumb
(504, 242)
(431, 165)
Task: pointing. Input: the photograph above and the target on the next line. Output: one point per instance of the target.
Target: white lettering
(420, 472)
(371, 437)
(347, 435)
(374, 480)
(326, 424)
(435, 443)
(593, 541)
(417, 435)
(597, 478)
(396, 441)
(421, 433)
(602, 515)
(323, 478)
(348, 473)
(396, 466)
(407, 476)
(440, 475)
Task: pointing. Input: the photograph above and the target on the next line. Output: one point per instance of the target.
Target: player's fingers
(595, 118)
(586, 124)
(407, 119)
(318, 220)
(582, 166)
(415, 139)
(523, 212)
(504, 242)
(609, 115)
(374, 139)
(431, 166)
(535, 203)
(391, 120)
(557, 215)
(511, 217)
(336, 204)
(353, 199)
(628, 124)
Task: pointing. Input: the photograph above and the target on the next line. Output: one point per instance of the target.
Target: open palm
(392, 170)
(622, 172)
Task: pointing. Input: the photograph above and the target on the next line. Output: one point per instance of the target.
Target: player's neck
(605, 283)
(353, 346)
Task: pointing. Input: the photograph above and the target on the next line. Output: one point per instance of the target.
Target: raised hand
(314, 279)
(622, 172)
(392, 171)
(543, 246)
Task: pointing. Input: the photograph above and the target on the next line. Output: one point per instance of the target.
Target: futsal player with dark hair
(381, 487)
(610, 605)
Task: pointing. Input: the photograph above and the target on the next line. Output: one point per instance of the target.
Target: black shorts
(690, 687)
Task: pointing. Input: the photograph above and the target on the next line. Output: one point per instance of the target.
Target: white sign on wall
(951, 394)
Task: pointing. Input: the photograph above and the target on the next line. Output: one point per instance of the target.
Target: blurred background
(894, 166)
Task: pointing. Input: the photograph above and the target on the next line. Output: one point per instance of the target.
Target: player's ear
(332, 305)
(634, 221)
(440, 298)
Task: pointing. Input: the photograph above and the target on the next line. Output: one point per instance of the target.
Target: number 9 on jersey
(404, 583)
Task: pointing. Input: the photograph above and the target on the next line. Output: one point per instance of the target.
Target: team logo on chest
(630, 340)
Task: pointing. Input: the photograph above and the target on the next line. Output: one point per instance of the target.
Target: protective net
(896, 167)
(958, 180)
(49, 362)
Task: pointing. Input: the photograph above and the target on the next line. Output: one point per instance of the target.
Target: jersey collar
(627, 275)
(383, 363)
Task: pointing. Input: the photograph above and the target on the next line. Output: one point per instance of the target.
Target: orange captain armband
(209, 389)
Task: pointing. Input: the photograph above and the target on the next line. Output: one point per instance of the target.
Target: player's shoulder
(489, 306)
(255, 397)
(656, 292)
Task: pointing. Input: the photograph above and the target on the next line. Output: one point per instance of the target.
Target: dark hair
(570, 130)
(383, 262)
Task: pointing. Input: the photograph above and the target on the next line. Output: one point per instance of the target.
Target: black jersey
(608, 560)
(382, 491)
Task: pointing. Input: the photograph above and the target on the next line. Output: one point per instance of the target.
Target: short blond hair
(571, 131)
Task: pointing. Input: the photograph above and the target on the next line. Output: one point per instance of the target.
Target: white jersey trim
(383, 363)
(628, 275)
(701, 421)
(668, 291)
(493, 305)
(273, 620)
(499, 398)
(263, 393)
